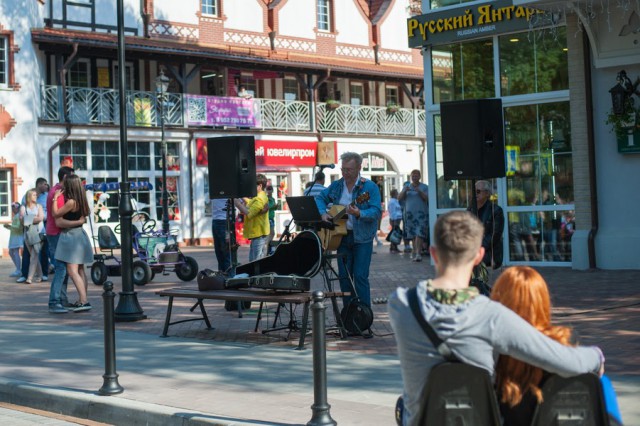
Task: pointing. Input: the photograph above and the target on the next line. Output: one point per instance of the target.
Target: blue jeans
(256, 249)
(58, 292)
(358, 260)
(220, 244)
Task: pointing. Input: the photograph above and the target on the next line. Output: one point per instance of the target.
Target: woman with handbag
(74, 247)
(31, 217)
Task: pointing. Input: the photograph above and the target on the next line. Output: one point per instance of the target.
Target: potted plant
(622, 123)
(332, 104)
(392, 108)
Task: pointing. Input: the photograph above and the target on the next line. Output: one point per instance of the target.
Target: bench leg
(255, 330)
(168, 318)
(305, 322)
(204, 314)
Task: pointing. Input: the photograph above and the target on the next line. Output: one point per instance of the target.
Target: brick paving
(603, 307)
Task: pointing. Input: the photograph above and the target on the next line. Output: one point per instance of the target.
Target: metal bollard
(320, 407)
(110, 385)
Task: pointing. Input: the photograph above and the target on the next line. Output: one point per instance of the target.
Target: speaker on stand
(472, 139)
(232, 174)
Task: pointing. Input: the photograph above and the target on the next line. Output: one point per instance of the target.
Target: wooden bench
(242, 295)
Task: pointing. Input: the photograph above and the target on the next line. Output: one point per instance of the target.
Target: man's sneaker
(15, 274)
(57, 309)
(21, 280)
(45, 278)
(68, 305)
(407, 249)
(81, 307)
(418, 258)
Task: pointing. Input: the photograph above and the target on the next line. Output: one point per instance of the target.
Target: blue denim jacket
(366, 226)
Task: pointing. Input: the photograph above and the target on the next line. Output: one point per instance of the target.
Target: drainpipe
(595, 220)
(192, 227)
(64, 137)
(65, 113)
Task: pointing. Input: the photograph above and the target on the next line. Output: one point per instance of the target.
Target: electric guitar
(331, 238)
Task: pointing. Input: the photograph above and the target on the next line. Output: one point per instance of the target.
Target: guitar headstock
(363, 198)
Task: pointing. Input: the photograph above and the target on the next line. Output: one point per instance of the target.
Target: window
(5, 194)
(172, 201)
(4, 60)
(533, 62)
(210, 7)
(463, 71)
(173, 156)
(105, 205)
(79, 74)
(291, 89)
(77, 150)
(356, 94)
(391, 95)
(249, 84)
(139, 156)
(324, 15)
(105, 155)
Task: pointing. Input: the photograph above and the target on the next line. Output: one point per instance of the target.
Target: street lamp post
(162, 84)
(128, 308)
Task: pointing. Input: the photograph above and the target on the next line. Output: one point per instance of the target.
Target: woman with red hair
(523, 290)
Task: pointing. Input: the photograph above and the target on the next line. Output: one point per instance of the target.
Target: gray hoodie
(477, 331)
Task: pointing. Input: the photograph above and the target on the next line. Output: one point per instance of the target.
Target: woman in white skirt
(74, 246)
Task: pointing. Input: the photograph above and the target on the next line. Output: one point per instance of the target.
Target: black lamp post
(128, 308)
(162, 84)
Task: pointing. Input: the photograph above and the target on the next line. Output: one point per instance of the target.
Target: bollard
(320, 407)
(110, 385)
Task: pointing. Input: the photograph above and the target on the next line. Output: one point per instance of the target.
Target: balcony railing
(101, 106)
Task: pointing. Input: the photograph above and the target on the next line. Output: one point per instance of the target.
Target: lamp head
(162, 82)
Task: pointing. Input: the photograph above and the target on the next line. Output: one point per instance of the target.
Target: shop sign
(221, 111)
(286, 153)
(374, 163)
(271, 153)
(630, 143)
(483, 20)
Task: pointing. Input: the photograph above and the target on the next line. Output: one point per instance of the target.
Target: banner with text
(271, 153)
(221, 111)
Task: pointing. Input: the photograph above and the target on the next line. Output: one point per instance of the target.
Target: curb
(105, 409)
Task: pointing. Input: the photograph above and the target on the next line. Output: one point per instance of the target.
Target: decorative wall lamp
(621, 93)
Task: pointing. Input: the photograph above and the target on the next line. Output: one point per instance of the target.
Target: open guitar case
(289, 268)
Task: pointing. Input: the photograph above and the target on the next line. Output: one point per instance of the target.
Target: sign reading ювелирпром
(484, 20)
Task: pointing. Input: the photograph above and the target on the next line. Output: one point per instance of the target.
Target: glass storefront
(532, 78)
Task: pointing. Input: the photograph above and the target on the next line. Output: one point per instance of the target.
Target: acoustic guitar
(331, 238)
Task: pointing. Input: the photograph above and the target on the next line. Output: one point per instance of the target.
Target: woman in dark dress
(74, 246)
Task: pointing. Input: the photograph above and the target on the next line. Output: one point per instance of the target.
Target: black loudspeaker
(232, 167)
(472, 139)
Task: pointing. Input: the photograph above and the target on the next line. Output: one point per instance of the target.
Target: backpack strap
(438, 343)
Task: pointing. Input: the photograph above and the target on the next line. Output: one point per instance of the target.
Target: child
(395, 216)
(16, 239)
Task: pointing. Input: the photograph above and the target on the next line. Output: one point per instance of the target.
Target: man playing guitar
(362, 198)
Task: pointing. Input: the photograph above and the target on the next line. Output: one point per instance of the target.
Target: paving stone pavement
(234, 366)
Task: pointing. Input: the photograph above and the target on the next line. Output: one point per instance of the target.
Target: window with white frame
(4, 60)
(391, 95)
(356, 94)
(5, 194)
(105, 155)
(139, 156)
(77, 151)
(291, 89)
(210, 7)
(324, 15)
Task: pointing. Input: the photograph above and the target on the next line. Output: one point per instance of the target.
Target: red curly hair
(523, 290)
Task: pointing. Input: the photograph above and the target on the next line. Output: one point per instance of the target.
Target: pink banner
(221, 111)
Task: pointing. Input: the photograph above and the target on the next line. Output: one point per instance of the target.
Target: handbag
(32, 235)
(395, 237)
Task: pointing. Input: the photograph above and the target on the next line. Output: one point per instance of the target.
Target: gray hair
(484, 185)
(352, 156)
